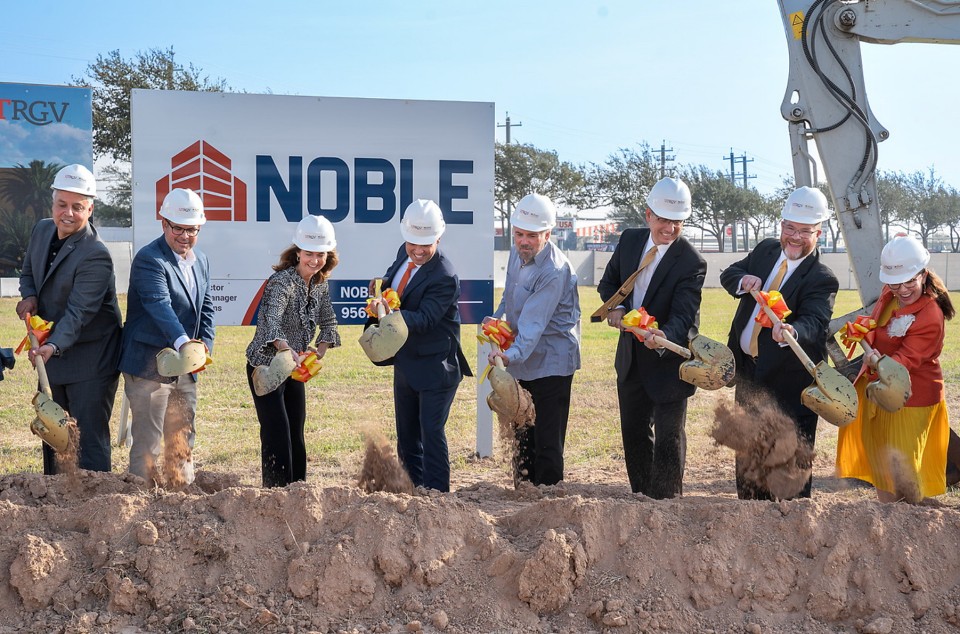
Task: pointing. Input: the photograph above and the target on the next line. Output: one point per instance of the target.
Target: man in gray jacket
(68, 279)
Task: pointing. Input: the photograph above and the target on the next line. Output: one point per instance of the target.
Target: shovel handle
(377, 293)
(666, 343)
(787, 336)
(38, 360)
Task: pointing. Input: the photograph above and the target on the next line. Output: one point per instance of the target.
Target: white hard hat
(315, 233)
(534, 212)
(422, 222)
(670, 198)
(806, 205)
(75, 178)
(183, 207)
(902, 259)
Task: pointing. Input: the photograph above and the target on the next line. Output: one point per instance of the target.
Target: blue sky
(583, 78)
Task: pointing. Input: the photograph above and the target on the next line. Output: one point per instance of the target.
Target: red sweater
(918, 349)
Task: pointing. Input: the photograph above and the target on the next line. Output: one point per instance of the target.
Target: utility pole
(733, 180)
(664, 158)
(733, 170)
(506, 224)
(743, 161)
(509, 125)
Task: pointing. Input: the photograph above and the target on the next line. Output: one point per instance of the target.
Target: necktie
(648, 259)
(406, 278)
(625, 289)
(774, 286)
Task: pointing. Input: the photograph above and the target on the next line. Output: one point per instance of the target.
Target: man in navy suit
(168, 306)
(656, 269)
(430, 365)
(67, 278)
(766, 367)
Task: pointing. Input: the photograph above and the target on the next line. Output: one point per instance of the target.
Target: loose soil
(108, 552)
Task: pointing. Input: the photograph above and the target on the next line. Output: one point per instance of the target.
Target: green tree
(624, 181)
(27, 188)
(763, 212)
(717, 203)
(919, 201)
(112, 78)
(15, 230)
(116, 209)
(951, 208)
(524, 169)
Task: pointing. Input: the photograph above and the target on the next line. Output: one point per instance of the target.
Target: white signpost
(263, 162)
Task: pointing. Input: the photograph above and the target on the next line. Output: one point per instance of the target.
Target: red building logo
(207, 171)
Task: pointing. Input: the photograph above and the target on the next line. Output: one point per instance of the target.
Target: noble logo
(207, 171)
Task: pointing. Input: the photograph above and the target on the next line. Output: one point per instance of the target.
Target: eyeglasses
(911, 283)
(177, 230)
(793, 231)
(666, 221)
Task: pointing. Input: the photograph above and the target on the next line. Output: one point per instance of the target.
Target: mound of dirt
(106, 552)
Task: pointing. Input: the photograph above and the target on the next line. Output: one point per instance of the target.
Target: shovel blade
(51, 423)
(712, 365)
(382, 341)
(832, 396)
(892, 387)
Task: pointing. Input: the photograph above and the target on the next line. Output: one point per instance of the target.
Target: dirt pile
(107, 553)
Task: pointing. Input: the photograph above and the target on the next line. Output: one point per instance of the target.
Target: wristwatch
(56, 348)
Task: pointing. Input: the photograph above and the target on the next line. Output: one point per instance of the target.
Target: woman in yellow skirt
(904, 453)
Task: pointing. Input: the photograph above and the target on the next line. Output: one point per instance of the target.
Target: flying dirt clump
(381, 470)
(766, 442)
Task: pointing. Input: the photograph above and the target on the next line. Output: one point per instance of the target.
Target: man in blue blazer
(430, 365)
(68, 278)
(168, 306)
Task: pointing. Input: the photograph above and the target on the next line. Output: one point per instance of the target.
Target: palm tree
(27, 188)
(15, 230)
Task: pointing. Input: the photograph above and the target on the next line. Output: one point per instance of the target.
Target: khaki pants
(162, 419)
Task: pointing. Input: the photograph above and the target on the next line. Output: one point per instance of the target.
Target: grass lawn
(350, 396)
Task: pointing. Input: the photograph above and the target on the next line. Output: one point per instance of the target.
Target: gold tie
(648, 259)
(774, 286)
(625, 289)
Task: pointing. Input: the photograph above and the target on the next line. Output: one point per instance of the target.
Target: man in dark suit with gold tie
(657, 269)
(766, 368)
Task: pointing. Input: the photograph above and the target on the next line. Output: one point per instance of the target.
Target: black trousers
(654, 440)
(282, 414)
(91, 404)
(539, 456)
(748, 393)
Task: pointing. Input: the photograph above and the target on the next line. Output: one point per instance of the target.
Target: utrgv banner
(263, 162)
(42, 128)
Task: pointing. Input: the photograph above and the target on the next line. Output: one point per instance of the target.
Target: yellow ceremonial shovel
(831, 396)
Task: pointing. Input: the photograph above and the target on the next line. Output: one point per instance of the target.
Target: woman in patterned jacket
(295, 305)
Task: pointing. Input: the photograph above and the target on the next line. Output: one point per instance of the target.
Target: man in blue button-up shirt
(540, 303)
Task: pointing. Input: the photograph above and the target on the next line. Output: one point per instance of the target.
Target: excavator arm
(826, 101)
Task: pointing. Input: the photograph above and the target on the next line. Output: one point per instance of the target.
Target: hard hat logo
(315, 233)
(183, 206)
(534, 212)
(806, 205)
(422, 222)
(75, 178)
(902, 259)
(670, 198)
